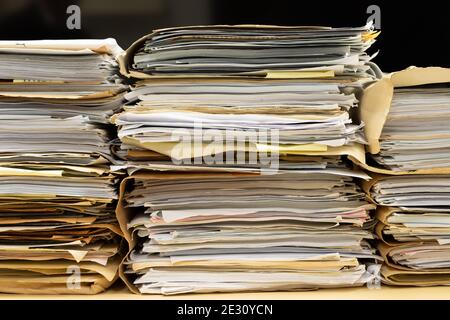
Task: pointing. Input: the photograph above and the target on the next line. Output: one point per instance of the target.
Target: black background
(413, 32)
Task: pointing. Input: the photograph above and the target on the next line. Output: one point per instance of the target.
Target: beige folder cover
(381, 214)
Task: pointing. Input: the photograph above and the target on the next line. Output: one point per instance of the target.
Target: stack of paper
(62, 60)
(414, 228)
(234, 138)
(203, 232)
(250, 49)
(309, 116)
(58, 231)
(250, 80)
(416, 135)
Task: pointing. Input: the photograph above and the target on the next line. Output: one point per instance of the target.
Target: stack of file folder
(206, 232)
(309, 105)
(58, 231)
(308, 116)
(416, 135)
(285, 97)
(414, 229)
(412, 180)
(251, 50)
